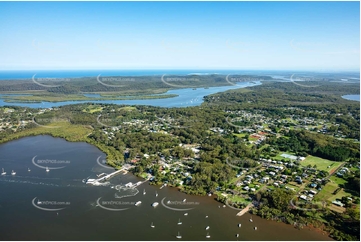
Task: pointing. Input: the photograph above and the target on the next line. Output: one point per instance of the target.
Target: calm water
(186, 97)
(352, 97)
(82, 219)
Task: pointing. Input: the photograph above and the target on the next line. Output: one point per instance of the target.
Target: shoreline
(243, 212)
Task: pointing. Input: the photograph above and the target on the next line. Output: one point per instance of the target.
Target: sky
(316, 36)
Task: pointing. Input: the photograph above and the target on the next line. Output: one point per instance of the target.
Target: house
(313, 192)
(338, 203)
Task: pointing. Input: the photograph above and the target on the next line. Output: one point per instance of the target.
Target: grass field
(322, 164)
(128, 108)
(93, 109)
(240, 135)
(327, 191)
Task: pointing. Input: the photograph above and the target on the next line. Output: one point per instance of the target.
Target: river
(77, 211)
(186, 97)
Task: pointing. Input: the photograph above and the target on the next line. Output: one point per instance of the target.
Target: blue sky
(317, 36)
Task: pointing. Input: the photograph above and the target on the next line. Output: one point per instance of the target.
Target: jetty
(104, 177)
(245, 210)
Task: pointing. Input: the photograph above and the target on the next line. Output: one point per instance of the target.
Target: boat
(186, 214)
(251, 220)
(239, 225)
(224, 206)
(29, 169)
(255, 228)
(207, 227)
(209, 194)
(3, 172)
(13, 173)
(138, 203)
(47, 169)
(156, 194)
(39, 202)
(206, 216)
(237, 235)
(179, 236)
(184, 200)
(144, 192)
(155, 204)
(152, 225)
(179, 222)
(208, 236)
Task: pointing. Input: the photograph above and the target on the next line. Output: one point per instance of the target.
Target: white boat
(209, 194)
(179, 236)
(47, 169)
(39, 202)
(206, 216)
(3, 172)
(207, 227)
(237, 235)
(144, 192)
(156, 194)
(13, 173)
(255, 228)
(152, 225)
(186, 214)
(28, 169)
(208, 236)
(239, 225)
(224, 206)
(179, 222)
(251, 220)
(138, 203)
(155, 204)
(184, 200)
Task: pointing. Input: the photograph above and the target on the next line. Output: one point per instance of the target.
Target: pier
(245, 210)
(106, 177)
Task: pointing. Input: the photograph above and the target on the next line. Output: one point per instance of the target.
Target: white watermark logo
(109, 205)
(298, 84)
(169, 203)
(305, 203)
(176, 81)
(229, 121)
(48, 79)
(107, 120)
(102, 163)
(114, 79)
(50, 120)
(49, 206)
(46, 162)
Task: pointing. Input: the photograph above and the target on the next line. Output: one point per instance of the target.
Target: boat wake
(125, 192)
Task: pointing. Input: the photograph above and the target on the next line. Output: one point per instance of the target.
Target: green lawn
(242, 135)
(322, 164)
(238, 199)
(327, 191)
(338, 180)
(92, 109)
(128, 108)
